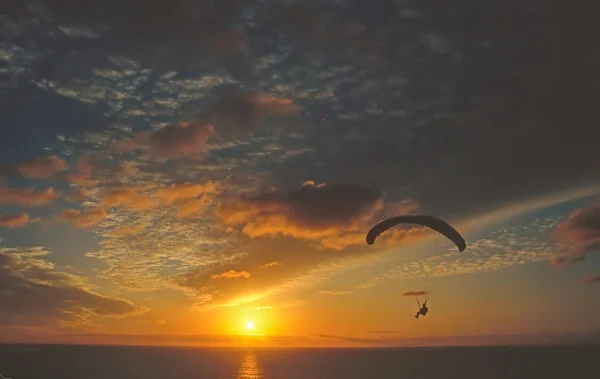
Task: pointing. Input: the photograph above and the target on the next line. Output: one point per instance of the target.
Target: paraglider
(434, 223)
(422, 309)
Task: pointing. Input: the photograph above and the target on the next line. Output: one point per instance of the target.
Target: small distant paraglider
(422, 308)
(434, 223)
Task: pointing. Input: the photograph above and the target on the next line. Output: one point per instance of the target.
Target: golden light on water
(249, 368)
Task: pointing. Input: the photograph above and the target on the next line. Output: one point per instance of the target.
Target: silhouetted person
(423, 311)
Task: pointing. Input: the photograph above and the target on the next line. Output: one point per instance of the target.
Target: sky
(171, 172)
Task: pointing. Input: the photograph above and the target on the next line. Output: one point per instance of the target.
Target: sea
(109, 362)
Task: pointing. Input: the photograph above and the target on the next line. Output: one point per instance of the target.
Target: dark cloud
(34, 294)
(414, 293)
(172, 141)
(334, 215)
(238, 112)
(184, 34)
(580, 233)
(455, 128)
(314, 211)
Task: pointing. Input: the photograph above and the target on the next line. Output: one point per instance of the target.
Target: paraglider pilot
(422, 309)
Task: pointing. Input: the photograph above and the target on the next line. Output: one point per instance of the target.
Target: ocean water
(95, 362)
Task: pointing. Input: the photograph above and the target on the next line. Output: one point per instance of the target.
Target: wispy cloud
(231, 274)
(335, 292)
(271, 264)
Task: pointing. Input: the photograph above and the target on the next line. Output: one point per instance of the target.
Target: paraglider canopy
(434, 223)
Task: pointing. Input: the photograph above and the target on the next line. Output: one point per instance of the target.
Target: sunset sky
(173, 171)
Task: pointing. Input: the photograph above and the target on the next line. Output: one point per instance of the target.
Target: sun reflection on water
(249, 368)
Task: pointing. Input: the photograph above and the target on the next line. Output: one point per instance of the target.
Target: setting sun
(249, 325)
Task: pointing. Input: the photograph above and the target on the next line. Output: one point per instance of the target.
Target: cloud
(592, 279)
(174, 193)
(231, 274)
(580, 232)
(191, 199)
(333, 216)
(235, 114)
(415, 293)
(180, 140)
(33, 293)
(27, 196)
(78, 194)
(238, 112)
(335, 292)
(83, 219)
(313, 212)
(123, 231)
(41, 168)
(128, 197)
(85, 169)
(271, 264)
(14, 221)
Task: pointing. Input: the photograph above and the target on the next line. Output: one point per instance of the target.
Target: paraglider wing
(436, 224)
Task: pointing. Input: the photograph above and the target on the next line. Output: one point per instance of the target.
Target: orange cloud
(335, 215)
(128, 197)
(27, 196)
(271, 264)
(127, 169)
(170, 195)
(89, 217)
(231, 274)
(191, 199)
(14, 221)
(124, 231)
(415, 293)
(191, 207)
(174, 141)
(85, 168)
(41, 168)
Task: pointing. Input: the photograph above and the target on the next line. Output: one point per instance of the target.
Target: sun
(249, 325)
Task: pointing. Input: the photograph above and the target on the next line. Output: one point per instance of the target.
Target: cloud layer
(33, 293)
